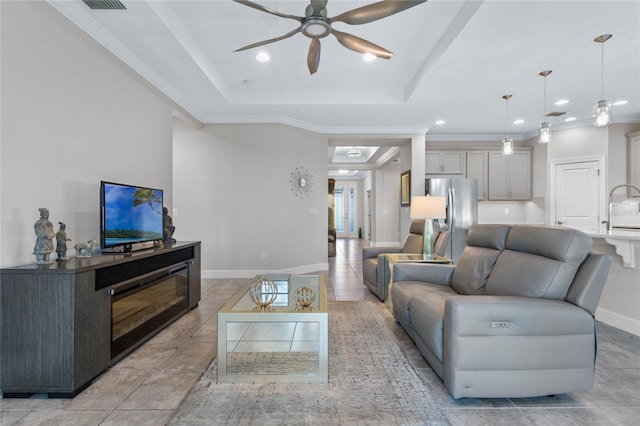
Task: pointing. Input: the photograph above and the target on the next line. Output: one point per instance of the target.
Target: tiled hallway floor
(147, 386)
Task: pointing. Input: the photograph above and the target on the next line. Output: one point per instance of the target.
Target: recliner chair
(374, 266)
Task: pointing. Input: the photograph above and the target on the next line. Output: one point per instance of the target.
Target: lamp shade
(428, 208)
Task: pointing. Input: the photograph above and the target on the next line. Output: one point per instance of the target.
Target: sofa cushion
(564, 244)
(370, 269)
(414, 241)
(405, 291)
(538, 262)
(489, 236)
(427, 316)
(484, 244)
(473, 269)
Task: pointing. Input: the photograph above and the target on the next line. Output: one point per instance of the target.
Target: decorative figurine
(263, 293)
(167, 227)
(61, 242)
(83, 250)
(304, 298)
(44, 238)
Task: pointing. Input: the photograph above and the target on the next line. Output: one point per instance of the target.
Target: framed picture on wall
(405, 188)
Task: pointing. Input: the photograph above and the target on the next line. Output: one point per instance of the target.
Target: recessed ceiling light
(369, 57)
(570, 119)
(621, 102)
(263, 57)
(440, 122)
(562, 102)
(518, 121)
(343, 172)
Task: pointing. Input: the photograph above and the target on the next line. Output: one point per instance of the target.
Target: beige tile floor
(146, 387)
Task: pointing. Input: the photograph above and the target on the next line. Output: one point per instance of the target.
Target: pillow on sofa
(538, 261)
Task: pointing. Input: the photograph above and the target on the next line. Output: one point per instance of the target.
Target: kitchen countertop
(625, 241)
(618, 234)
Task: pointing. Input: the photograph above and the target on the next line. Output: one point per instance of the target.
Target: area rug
(371, 382)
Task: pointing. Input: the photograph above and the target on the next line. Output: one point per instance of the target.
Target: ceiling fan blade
(313, 58)
(361, 45)
(267, 10)
(318, 6)
(375, 11)
(271, 40)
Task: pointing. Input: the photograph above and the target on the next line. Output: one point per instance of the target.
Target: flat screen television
(129, 216)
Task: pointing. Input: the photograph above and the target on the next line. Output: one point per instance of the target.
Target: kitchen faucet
(624, 185)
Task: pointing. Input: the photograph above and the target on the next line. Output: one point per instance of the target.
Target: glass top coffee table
(286, 344)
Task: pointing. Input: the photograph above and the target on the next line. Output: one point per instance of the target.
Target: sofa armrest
(512, 315)
(429, 272)
(369, 252)
(527, 345)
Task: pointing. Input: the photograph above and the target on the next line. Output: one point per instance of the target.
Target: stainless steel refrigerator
(461, 195)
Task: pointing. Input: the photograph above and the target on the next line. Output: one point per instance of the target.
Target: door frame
(602, 186)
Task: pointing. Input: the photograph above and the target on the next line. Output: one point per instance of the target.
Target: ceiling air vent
(104, 4)
(556, 114)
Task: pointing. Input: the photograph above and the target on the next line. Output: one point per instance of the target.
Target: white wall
(72, 115)
(232, 191)
(387, 205)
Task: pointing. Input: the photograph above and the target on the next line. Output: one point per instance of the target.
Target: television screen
(130, 214)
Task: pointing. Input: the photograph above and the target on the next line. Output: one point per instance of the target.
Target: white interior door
(345, 194)
(578, 195)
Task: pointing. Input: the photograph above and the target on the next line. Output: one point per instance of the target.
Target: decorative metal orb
(263, 293)
(304, 298)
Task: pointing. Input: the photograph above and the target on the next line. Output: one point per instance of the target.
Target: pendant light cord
(545, 97)
(602, 72)
(507, 121)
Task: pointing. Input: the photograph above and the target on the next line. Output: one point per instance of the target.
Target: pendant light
(507, 142)
(602, 109)
(545, 127)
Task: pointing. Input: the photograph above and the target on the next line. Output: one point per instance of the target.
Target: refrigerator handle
(451, 213)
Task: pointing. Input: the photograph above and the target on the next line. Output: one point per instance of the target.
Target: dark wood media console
(56, 333)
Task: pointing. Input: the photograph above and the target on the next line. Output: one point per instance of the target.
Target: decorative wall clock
(301, 182)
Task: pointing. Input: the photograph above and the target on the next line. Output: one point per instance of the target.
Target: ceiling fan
(316, 25)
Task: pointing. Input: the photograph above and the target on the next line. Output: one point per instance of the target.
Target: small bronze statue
(167, 227)
(61, 242)
(44, 238)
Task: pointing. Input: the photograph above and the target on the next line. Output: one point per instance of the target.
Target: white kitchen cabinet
(445, 162)
(477, 168)
(510, 176)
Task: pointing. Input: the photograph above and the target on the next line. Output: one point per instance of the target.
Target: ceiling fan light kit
(354, 153)
(316, 25)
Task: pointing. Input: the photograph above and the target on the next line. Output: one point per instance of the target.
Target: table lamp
(428, 208)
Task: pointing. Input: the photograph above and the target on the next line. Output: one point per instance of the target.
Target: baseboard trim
(622, 322)
(386, 244)
(249, 273)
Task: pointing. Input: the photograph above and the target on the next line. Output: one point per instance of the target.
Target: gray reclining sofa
(513, 318)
